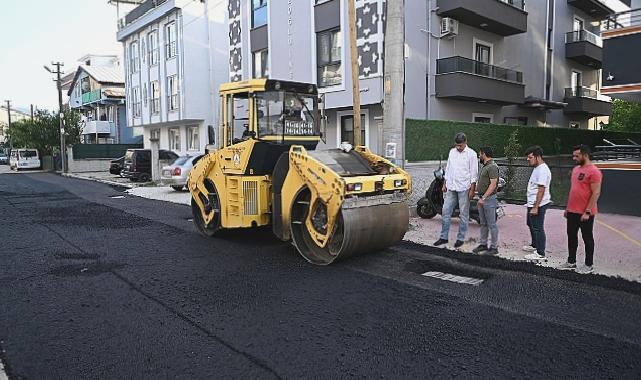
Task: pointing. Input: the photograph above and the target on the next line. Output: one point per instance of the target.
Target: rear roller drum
(357, 230)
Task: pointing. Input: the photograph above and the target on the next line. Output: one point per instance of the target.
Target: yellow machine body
(265, 170)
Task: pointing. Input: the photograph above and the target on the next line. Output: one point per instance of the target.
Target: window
(577, 24)
(576, 81)
(517, 120)
(483, 53)
(134, 63)
(174, 139)
(170, 34)
(152, 45)
(193, 139)
(329, 58)
(482, 118)
(136, 104)
(154, 134)
(259, 13)
(347, 129)
(155, 97)
(144, 94)
(172, 90)
(261, 69)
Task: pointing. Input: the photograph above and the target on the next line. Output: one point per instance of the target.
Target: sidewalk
(617, 252)
(105, 177)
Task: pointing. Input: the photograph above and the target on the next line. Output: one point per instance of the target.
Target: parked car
(117, 165)
(4, 159)
(137, 166)
(176, 174)
(24, 159)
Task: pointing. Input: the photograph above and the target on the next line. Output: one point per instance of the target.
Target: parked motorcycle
(432, 203)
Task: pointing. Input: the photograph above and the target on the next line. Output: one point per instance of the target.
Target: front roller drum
(358, 231)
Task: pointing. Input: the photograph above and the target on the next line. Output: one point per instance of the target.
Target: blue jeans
(537, 230)
(452, 198)
(487, 216)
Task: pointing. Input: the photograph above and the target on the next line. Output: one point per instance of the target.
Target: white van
(24, 159)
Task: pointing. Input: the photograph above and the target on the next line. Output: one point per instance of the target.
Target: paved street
(97, 283)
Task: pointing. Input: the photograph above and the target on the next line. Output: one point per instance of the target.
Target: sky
(37, 32)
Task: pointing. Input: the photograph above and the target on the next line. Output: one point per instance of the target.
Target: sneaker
(567, 266)
(458, 244)
(529, 248)
(534, 256)
(440, 242)
(585, 270)
(492, 252)
(480, 248)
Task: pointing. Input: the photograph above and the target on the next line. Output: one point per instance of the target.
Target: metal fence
(517, 175)
(102, 150)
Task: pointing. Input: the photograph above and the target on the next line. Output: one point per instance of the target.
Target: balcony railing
(622, 20)
(170, 49)
(520, 4)
(466, 65)
(90, 97)
(138, 12)
(581, 92)
(583, 36)
(172, 101)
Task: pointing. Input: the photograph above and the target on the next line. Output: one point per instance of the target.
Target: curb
(105, 181)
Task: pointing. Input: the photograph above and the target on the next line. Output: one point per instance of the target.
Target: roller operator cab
(266, 170)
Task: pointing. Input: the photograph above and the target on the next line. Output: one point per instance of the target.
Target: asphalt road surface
(102, 285)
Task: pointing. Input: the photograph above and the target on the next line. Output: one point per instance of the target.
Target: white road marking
(3, 375)
(454, 278)
(117, 196)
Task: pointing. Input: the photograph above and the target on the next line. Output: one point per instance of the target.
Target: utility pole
(9, 122)
(356, 90)
(58, 72)
(394, 81)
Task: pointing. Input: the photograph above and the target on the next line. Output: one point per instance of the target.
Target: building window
(482, 118)
(193, 139)
(172, 90)
(144, 94)
(259, 13)
(329, 57)
(155, 97)
(152, 45)
(154, 134)
(170, 33)
(136, 104)
(347, 129)
(517, 120)
(174, 139)
(134, 63)
(261, 69)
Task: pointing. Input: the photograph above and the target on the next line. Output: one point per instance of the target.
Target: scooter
(432, 203)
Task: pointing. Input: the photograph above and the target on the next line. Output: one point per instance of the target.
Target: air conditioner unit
(449, 27)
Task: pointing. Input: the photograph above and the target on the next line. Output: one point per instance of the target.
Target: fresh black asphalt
(93, 286)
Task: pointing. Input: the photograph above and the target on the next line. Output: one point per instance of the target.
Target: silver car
(175, 175)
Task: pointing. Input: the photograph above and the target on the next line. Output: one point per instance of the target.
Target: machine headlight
(354, 186)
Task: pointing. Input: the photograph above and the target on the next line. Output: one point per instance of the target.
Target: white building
(172, 70)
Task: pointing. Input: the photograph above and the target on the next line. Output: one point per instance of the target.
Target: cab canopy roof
(259, 85)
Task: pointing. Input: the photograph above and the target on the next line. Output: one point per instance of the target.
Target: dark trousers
(574, 224)
(537, 231)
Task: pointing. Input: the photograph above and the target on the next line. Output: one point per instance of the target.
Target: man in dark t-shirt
(487, 185)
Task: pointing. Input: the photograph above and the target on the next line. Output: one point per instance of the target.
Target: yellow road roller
(265, 170)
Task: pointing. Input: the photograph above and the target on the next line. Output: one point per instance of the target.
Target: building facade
(173, 66)
(16, 115)
(97, 91)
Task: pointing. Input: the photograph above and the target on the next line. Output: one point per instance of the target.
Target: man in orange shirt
(582, 207)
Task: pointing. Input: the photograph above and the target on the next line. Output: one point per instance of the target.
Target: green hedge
(432, 139)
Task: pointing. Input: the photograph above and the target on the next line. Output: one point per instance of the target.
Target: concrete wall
(86, 165)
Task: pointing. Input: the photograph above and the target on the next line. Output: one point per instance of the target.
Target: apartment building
(97, 92)
(507, 61)
(622, 54)
(173, 66)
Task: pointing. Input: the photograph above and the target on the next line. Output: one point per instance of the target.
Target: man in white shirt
(538, 200)
(461, 174)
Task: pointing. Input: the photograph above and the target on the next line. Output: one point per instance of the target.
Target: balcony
(90, 97)
(584, 47)
(595, 8)
(139, 11)
(502, 17)
(587, 102)
(93, 127)
(466, 79)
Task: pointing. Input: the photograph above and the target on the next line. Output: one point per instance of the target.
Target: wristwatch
(588, 212)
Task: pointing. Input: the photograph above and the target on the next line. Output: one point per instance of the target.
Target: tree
(626, 116)
(43, 133)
